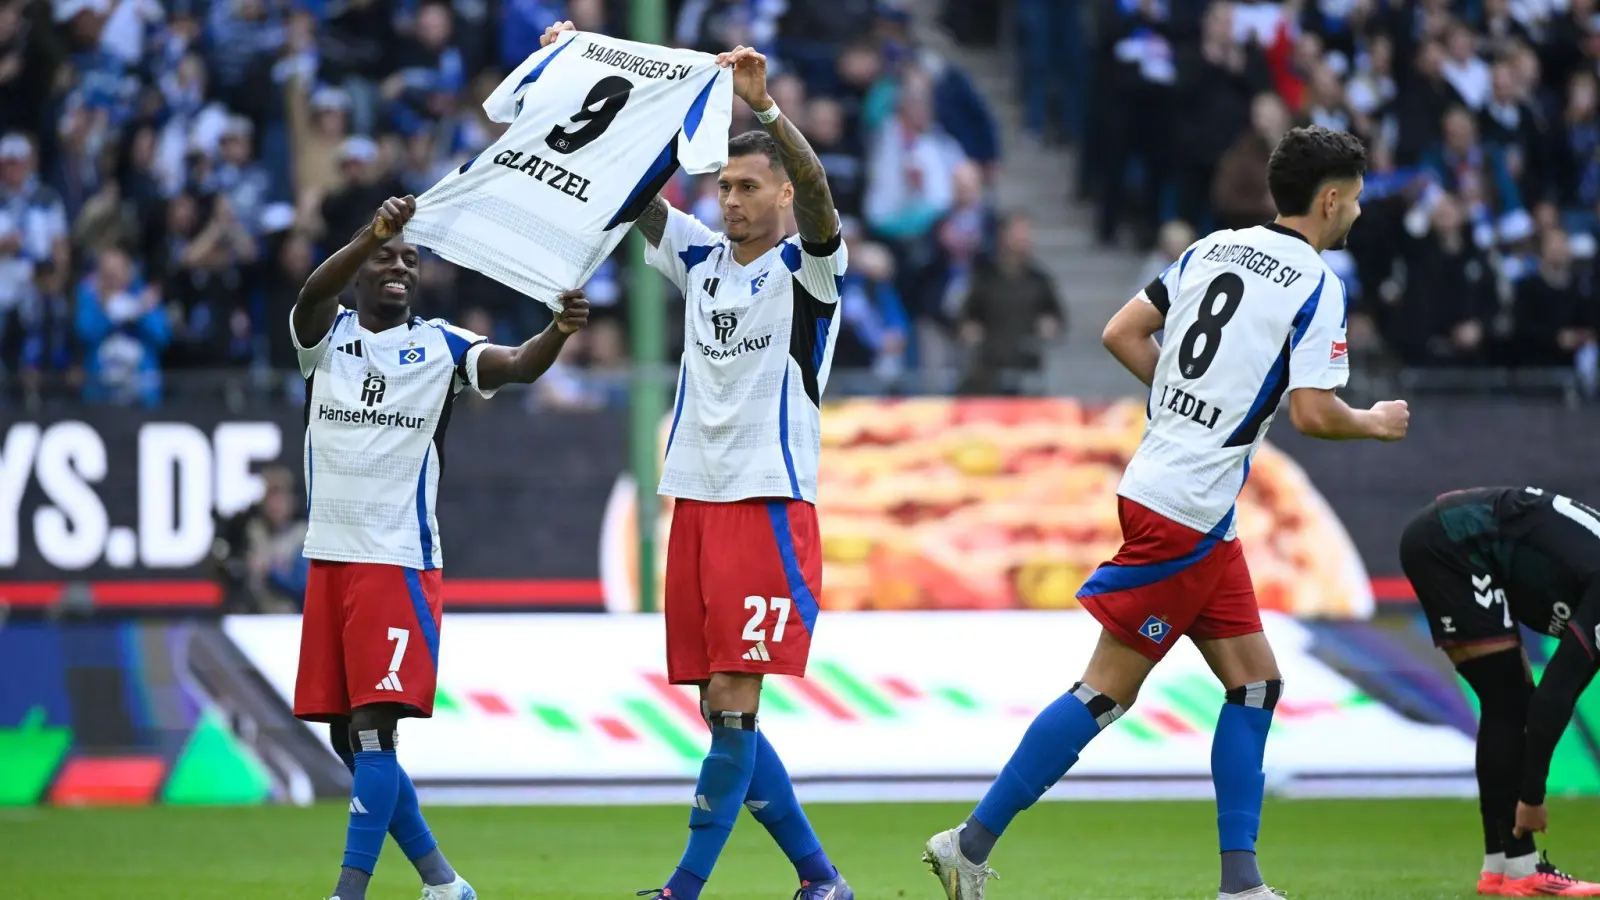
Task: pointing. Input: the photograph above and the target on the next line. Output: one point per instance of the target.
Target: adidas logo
(758, 653)
(700, 802)
(356, 808)
(353, 348)
(390, 682)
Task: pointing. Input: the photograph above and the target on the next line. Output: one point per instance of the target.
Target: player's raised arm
(813, 201)
(524, 363)
(318, 303)
(1130, 336)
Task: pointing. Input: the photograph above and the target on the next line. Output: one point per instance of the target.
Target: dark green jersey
(1542, 549)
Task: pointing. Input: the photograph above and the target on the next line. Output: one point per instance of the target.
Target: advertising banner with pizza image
(1010, 503)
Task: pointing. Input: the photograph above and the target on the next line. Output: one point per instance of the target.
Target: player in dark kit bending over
(1483, 561)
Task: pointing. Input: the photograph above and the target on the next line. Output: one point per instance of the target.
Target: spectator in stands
(238, 177)
(811, 34)
(1173, 238)
(257, 555)
(1138, 71)
(123, 330)
(354, 48)
(1422, 105)
(28, 63)
(961, 112)
(1010, 314)
(210, 252)
(1512, 125)
(910, 174)
(1577, 154)
(1477, 173)
(364, 185)
(1551, 318)
(430, 72)
(319, 124)
(839, 152)
(713, 26)
(239, 33)
(876, 331)
(1447, 298)
(37, 343)
(33, 210)
(1463, 68)
(1239, 190)
(1217, 80)
(521, 24)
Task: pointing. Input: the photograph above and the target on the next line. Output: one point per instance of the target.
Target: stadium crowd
(1482, 206)
(171, 170)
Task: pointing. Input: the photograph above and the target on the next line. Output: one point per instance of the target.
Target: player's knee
(1104, 709)
(1257, 694)
(339, 737)
(373, 727)
(734, 691)
(1502, 684)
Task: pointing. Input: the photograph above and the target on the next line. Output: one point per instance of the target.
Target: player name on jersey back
(598, 126)
(1250, 315)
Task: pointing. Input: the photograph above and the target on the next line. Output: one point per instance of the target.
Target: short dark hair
(752, 143)
(1306, 159)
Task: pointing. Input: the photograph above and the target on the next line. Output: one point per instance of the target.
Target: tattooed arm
(813, 202)
(652, 223)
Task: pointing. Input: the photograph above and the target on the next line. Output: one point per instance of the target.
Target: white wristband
(769, 115)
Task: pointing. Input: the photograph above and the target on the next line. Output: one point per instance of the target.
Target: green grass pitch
(1314, 850)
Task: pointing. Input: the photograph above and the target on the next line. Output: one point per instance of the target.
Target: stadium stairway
(1092, 281)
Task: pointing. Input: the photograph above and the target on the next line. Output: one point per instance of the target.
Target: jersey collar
(1286, 231)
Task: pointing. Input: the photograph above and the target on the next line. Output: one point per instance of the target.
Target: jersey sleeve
(1161, 289)
(310, 357)
(465, 349)
(684, 243)
(501, 104)
(818, 267)
(1321, 356)
(703, 140)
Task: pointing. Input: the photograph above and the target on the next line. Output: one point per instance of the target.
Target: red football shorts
(1169, 580)
(369, 634)
(742, 583)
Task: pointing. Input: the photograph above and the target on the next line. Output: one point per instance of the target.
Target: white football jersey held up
(598, 126)
(758, 345)
(1250, 314)
(377, 404)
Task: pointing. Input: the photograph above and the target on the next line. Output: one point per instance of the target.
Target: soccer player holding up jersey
(1484, 562)
(379, 387)
(1248, 315)
(744, 561)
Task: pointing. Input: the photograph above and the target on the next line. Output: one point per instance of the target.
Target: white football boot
(455, 890)
(962, 879)
(1259, 892)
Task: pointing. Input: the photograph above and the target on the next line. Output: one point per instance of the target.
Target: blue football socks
(772, 801)
(1049, 748)
(724, 781)
(372, 800)
(410, 830)
(1238, 748)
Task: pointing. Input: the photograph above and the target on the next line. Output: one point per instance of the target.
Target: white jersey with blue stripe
(377, 404)
(598, 126)
(1250, 314)
(758, 343)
